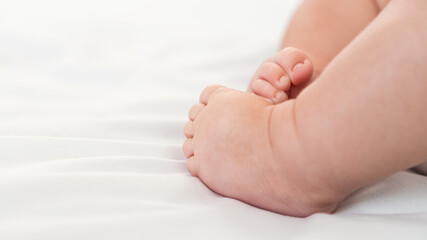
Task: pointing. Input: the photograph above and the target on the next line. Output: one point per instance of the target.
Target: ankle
(304, 180)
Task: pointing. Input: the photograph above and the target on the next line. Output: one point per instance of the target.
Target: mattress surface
(93, 98)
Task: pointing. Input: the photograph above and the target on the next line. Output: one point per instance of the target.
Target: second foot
(283, 71)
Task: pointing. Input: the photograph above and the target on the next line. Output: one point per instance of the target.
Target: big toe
(208, 92)
(296, 64)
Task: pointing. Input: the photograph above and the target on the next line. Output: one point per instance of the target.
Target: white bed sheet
(93, 98)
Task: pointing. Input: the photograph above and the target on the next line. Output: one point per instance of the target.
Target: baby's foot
(263, 166)
(274, 78)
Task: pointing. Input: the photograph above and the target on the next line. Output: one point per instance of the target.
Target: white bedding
(93, 98)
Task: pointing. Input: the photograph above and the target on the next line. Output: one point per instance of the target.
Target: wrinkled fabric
(93, 98)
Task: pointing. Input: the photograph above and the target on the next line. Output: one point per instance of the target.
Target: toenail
(298, 65)
(280, 97)
(284, 82)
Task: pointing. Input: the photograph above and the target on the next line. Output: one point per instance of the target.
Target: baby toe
(274, 74)
(188, 129)
(280, 97)
(295, 63)
(195, 110)
(192, 166)
(265, 89)
(302, 72)
(207, 93)
(187, 148)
